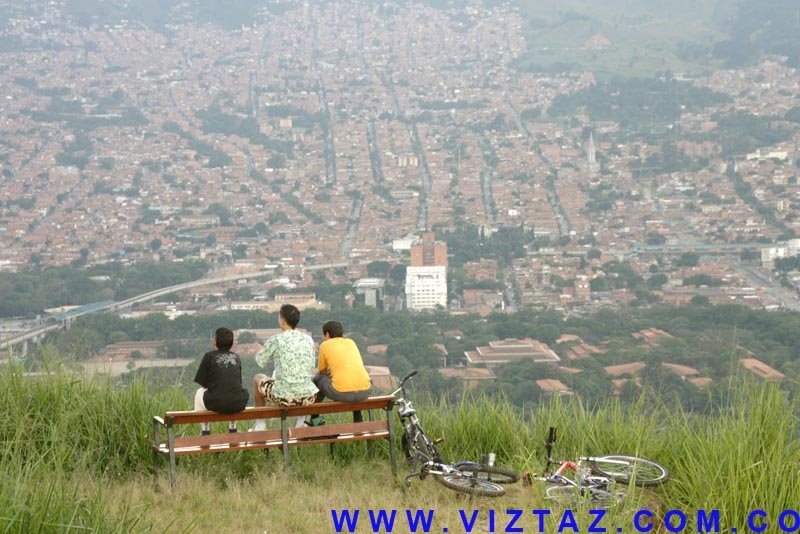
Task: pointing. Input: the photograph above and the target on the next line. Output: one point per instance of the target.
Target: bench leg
(392, 451)
(370, 450)
(172, 469)
(285, 441)
(157, 443)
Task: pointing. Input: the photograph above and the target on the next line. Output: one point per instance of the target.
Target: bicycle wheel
(571, 496)
(468, 484)
(568, 496)
(630, 468)
(490, 473)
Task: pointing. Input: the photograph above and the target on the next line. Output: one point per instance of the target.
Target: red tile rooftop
(761, 369)
(554, 386)
(624, 369)
(507, 350)
(680, 370)
(472, 373)
(700, 382)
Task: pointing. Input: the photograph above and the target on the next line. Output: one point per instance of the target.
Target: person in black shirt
(220, 378)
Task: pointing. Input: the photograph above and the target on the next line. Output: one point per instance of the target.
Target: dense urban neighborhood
(399, 157)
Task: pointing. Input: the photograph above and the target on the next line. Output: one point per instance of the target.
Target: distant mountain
(763, 27)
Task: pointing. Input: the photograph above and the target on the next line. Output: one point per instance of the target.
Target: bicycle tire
(473, 486)
(640, 471)
(492, 473)
(563, 495)
(570, 496)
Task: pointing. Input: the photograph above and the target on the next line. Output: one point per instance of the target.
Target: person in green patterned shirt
(293, 355)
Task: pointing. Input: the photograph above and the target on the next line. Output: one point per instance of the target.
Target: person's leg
(259, 398)
(355, 396)
(325, 387)
(258, 395)
(199, 405)
(318, 379)
(352, 396)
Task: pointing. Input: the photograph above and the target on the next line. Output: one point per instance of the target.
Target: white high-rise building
(426, 277)
(426, 287)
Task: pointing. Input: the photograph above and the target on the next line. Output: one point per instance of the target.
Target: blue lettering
(708, 523)
(568, 521)
(491, 520)
(345, 517)
(795, 526)
(757, 528)
(640, 527)
(541, 514)
(468, 525)
(681, 520)
(382, 519)
(419, 517)
(515, 515)
(598, 516)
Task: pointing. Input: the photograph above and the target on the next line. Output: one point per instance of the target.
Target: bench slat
(276, 444)
(274, 412)
(268, 439)
(337, 429)
(272, 438)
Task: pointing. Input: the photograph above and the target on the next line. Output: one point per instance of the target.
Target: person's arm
(202, 372)
(267, 352)
(322, 368)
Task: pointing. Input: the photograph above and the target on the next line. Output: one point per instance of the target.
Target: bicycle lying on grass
(602, 480)
(476, 478)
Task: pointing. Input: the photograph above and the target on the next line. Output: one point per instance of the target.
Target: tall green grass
(71, 449)
(62, 438)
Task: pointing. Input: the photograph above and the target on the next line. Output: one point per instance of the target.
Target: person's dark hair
(224, 339)
(333, 329)
(290, 314)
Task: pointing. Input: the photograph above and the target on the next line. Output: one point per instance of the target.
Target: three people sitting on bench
(341, 377)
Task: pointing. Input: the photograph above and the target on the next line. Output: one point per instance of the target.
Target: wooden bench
(285, 437)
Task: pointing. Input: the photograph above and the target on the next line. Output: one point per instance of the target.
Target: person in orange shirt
(342, 376)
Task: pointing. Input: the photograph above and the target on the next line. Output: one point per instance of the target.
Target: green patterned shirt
(293, 354)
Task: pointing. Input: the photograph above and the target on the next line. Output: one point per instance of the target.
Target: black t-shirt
(221, 373)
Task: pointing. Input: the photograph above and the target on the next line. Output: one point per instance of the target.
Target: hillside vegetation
(75, 457)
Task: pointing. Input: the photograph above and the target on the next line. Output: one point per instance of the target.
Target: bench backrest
(274, 412)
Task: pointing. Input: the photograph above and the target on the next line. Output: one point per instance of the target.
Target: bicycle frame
(413, 433)
(597, 487)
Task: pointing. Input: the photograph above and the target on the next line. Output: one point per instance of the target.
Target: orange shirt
(339, 356)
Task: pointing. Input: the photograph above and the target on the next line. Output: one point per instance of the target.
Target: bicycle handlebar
(409, 375)
(403, 383)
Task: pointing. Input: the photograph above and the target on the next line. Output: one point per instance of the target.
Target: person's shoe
(233, 430)
(205, 433)
(316, 421)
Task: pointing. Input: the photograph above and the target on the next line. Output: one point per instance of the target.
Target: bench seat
(285, 437)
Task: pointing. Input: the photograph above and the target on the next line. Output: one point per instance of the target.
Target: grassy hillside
(75, 457)
(644, 36)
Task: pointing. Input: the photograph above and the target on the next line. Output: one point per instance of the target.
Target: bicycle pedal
(438, 441)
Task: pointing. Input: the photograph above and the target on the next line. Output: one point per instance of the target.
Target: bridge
(63, 320)
(703, 249)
